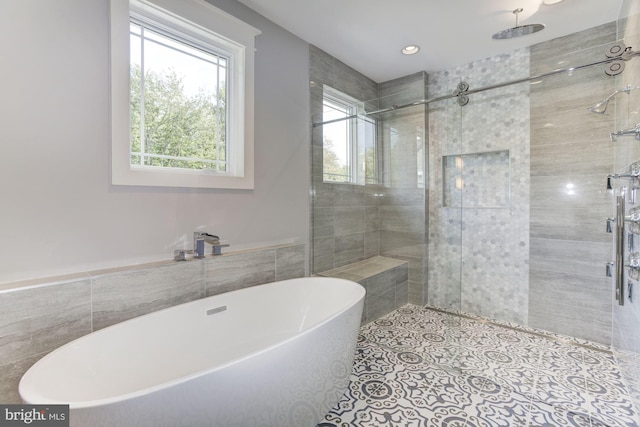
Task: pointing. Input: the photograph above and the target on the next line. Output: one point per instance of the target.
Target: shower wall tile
(371, 218)
(324, 195)
(408, 219)
(566, 303)
(403, 197)
(349, 220)
(398, 241)
(580, 158)
(625, 331)
(570, 157)
(571, 224)
(323, 222)
(349, 195)
(349, 248)
(371, 244)
(403, 90)
(228, 273)
(570, 257)
(570, 191)
(592, 293)
(146, 291)
(626, 338)
(317, 172)
(324, 253)
(402, 209)
(345, 222)
(580, 42)
(588, 54)
(326, 69)
(40, 319)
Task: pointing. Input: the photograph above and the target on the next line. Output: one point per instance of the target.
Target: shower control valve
(610, 222)
(609, 268)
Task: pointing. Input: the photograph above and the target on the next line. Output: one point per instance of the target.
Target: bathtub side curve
(293, 382)
(291, 385)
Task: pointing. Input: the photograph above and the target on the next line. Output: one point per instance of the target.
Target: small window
(349, 148)
(186, 118)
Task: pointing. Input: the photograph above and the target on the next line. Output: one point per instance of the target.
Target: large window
(349, 154)
(178, 101)
(186, 118)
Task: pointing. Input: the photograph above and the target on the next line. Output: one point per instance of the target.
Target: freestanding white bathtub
(272, 355)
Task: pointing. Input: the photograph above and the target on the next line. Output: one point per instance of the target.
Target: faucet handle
(182, 254)
(217, 248)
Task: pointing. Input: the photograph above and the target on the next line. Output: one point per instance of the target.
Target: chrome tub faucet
(199, 240)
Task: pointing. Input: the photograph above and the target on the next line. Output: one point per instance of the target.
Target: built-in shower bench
(385, 279)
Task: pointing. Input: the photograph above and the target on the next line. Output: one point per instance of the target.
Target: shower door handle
(620, 247)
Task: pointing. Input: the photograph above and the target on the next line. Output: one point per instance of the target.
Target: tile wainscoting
(38, 317)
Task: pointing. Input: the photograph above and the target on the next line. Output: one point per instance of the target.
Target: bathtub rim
(358, 299)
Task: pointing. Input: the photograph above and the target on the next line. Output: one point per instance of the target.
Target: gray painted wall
(60, 214)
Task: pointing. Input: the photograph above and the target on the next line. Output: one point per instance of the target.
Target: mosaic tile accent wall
(478, 255)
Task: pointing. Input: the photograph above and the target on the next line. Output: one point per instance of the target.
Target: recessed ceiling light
(411, 49)
(552, 2)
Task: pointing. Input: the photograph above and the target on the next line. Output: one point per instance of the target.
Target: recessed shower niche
(476, 180)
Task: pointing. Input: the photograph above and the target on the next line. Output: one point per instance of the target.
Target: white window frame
(202, 21)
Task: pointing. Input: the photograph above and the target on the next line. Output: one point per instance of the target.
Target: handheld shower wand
(601, 106)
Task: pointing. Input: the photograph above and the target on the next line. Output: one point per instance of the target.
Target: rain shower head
(518, 30)
(601, 106)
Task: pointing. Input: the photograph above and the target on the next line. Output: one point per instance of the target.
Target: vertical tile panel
(37, 320)
(237, 271)
(122, 296)
(10, 375)
(290, 262)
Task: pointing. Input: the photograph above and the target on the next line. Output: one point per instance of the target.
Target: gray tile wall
(355, 222)
(344, 216)
(385, 279)
(36, 320)
(626, 319)
(570, 158)
(403, 207)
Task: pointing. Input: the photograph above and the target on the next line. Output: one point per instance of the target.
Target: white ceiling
(369, 34)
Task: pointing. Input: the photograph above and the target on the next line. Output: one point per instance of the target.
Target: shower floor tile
(423, 367)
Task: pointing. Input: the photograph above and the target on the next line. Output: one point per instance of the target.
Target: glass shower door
(445, 197)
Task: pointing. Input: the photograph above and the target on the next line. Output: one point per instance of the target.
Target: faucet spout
(199, 240)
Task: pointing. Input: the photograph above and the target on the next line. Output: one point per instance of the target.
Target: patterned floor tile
(422, 367)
